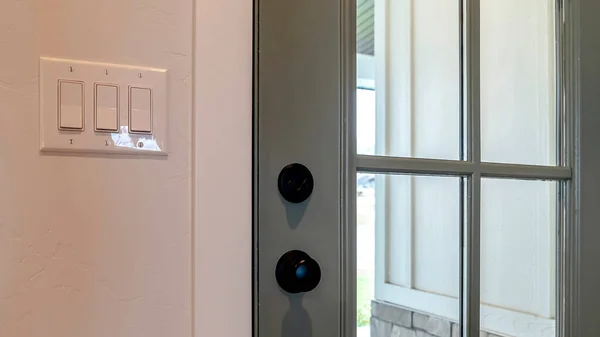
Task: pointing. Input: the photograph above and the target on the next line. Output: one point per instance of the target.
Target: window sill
(502, 322)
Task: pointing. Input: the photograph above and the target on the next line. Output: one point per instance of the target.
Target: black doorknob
(295, 183)
(297, 272)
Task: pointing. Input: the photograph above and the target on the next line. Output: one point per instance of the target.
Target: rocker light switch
(140, 110)
(70, 113)
(106, 105)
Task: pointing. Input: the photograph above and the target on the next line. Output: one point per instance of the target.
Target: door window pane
(518, 91)
(518, 257)
(414, 69)
(365, 120)
(408, 258)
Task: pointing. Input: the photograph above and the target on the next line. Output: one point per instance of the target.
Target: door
(414, 168)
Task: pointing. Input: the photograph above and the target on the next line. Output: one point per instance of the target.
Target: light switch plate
(92, 140)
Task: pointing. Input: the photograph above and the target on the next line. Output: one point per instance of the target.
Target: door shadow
(294, 212)
(296, 322)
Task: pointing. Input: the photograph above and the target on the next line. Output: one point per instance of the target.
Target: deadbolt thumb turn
(297, 272)
(295, 183)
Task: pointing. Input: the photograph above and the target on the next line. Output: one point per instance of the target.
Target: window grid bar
(471, 284)
(471, 302)
(401, 165)
(568, 103)
(463, 155)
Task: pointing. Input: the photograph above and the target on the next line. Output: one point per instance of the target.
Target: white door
(417, 169)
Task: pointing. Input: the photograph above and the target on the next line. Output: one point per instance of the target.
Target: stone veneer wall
(388, 320)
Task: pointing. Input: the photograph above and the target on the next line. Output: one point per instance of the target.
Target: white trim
(365, 84)
(221, 274)
(393, 130)
(513, 323)
(434, 304)
(381, 33)
(380, 74)
(365, 71)
(493, 319)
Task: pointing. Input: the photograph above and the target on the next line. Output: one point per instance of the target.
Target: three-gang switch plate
(102, 108)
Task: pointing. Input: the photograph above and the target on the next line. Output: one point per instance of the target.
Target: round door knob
(297, 272)
(295, 183)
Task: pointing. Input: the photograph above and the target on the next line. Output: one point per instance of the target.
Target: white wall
(102, 246)
(517, 82)
(94, 246)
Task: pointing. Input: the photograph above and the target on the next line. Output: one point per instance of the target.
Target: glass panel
(518, 90)
(365, 121)
(408, 255)
(518, 257)
(409, 54)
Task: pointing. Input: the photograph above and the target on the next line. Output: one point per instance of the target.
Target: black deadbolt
(295, 183)
(297, 272)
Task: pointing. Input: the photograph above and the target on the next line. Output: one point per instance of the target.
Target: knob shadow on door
(297, 321)
(295, 184)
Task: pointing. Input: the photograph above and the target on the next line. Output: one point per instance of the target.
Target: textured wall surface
(94, 246)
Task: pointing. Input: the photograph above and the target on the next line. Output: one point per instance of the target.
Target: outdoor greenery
(364, 286)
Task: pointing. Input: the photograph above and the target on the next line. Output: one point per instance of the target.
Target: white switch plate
(90, 140)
